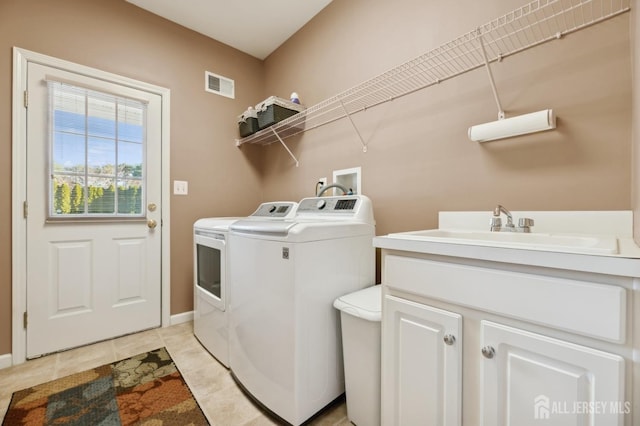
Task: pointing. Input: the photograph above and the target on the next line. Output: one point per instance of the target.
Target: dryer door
(210, 267)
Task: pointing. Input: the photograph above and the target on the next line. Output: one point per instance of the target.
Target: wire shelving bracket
(364, 145)
(491, 80)
(285, 146)
(535, 23)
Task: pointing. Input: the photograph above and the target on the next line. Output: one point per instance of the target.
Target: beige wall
(115, 36)
(419, 160)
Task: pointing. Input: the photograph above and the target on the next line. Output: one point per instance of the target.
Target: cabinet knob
(449, 339)
(488, 352)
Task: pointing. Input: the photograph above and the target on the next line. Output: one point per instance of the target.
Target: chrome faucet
(524, 224)
(496, 221)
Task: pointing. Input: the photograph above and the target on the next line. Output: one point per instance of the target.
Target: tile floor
(217, 393)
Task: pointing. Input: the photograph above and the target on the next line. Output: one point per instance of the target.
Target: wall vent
(218, 84)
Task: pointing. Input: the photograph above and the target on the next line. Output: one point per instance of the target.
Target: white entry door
(93, 210)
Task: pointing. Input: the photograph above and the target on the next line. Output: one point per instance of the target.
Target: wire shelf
(533, 24)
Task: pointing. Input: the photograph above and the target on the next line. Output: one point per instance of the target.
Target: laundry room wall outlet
(180, 187)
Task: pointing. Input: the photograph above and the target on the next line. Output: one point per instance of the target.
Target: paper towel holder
(508, 127)
(515, 126)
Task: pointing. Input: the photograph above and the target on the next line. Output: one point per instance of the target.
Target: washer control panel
(356, 208)
(328, 205)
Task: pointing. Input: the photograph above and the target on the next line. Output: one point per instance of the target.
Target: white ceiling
(256, 27)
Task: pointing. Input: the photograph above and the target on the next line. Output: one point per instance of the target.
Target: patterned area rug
(146, 389)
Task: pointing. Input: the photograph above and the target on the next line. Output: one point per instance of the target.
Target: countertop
(618, 224)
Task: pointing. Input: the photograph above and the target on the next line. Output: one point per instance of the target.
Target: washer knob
(321, 204)
(272, 209)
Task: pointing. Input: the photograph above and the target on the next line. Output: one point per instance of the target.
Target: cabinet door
(528, 378)
(421, 365)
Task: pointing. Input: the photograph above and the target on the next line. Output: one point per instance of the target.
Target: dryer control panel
(279, 209)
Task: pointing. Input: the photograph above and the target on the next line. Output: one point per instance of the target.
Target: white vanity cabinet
(532, 379)
(489, 343)
(422, 349)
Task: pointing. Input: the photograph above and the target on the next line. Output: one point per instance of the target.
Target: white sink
(567, 243)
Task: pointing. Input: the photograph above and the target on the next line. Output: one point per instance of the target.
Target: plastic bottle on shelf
(294, 98)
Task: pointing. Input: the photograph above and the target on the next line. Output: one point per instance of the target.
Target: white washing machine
(211, 275)
(284, 334)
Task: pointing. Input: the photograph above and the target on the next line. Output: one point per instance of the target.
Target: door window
(96, 157)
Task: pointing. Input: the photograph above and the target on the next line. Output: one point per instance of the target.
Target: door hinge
(25, 209)
(26, 99)
(24, 320)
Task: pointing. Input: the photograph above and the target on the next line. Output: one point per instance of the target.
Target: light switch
(180, 187)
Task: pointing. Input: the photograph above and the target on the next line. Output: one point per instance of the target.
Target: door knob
(449, 339)
(152, 223)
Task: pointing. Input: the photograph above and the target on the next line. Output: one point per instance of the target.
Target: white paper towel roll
(514, 126)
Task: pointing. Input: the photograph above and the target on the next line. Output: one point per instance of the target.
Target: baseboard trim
(6, 361)
(181, 318)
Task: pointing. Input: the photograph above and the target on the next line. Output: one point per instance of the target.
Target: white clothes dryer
(285, 345)
(211, 275)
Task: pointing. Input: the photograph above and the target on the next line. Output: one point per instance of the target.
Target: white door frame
(19, 186)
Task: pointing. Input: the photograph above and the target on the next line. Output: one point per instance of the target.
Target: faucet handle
(496, 223)
(525, 222)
